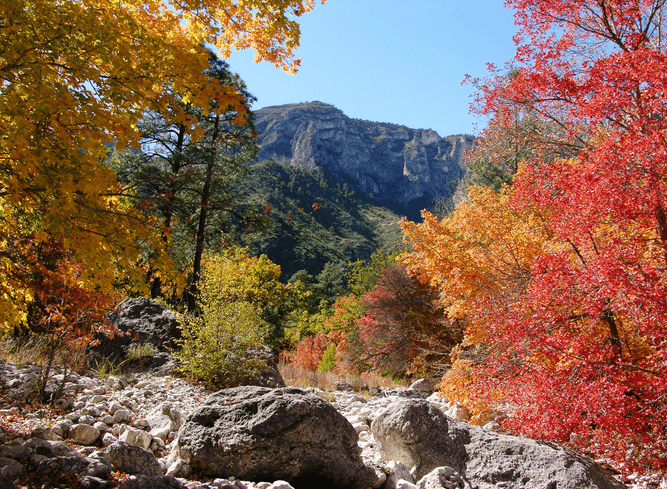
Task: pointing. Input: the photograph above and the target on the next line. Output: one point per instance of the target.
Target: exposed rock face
(258, 433)
(421, 436)
(403, 168)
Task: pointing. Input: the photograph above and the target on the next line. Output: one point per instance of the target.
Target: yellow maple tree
(75, 78)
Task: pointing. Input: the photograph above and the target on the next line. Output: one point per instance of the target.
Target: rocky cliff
(405, 169)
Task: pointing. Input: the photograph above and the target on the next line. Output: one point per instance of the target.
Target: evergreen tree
(185, 173)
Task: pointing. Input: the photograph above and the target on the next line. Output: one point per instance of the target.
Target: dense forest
(315, 219)
(130, 168)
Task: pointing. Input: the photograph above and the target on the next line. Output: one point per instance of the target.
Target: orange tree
(542, 334)
(567, 333)
(76, 77)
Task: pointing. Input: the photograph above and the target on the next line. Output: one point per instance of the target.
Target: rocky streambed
(146, 431)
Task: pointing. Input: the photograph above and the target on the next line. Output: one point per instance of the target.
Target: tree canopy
(561, 280)
(75, 78)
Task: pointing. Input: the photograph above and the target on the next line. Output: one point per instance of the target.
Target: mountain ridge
(402, 168)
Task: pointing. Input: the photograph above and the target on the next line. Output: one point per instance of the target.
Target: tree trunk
(203, 214)
(661, 217)
(614, 337)
(156, 284)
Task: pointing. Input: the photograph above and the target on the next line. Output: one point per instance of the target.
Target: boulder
(422, 437)
(143, 321)
(74, 463)
(138, 438)
(163, 419)
(425, 386)
(259, 434)
(10, 468)
(397, 471)
(270, 375)
(6, 483)
(90, 482)
(132, 459)
(442, 478)
(459, 413)
(84, 434)
(146, 482)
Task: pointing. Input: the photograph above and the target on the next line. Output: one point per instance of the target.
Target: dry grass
(326, 381)
(35, 351)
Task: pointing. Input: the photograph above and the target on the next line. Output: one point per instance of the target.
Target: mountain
(403, 169)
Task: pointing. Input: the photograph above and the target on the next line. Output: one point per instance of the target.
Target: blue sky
(399, 61)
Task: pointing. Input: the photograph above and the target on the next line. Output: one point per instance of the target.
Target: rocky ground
(96, 425)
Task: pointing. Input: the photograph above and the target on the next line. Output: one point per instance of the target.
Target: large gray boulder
(141, 321)
(259, 434)
(421, 436)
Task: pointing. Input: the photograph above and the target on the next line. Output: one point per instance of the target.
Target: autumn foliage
(404, 330)
(75, 78)
(562, 280)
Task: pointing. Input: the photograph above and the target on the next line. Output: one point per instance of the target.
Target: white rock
(108, 439)
(441, 477)
(137, 438)
(122, 416)
(436, 397)
(83, 434)
(90, 410)
(403, 484)
(280, 485)
(115, 406)
(65, 425)
(459, 413)
(360, 427)
(179, 469)
(353, 419)
(141, 423)
(86, 419)
(398, 471)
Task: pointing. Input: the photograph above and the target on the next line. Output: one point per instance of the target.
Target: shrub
(328, 359)
(309, 352)
(221, 345)
(221, 348)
